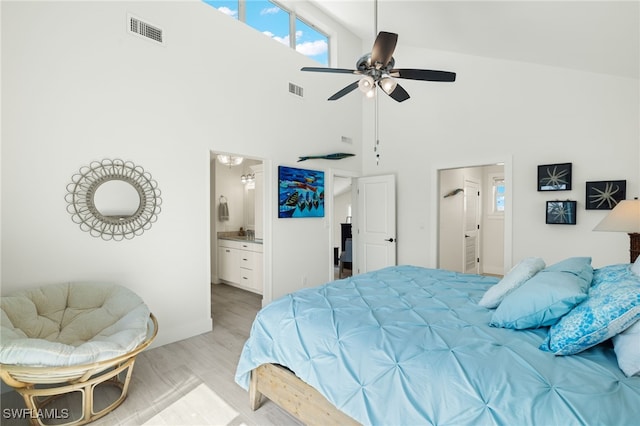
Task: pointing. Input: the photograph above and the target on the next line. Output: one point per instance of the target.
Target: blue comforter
(410, 346)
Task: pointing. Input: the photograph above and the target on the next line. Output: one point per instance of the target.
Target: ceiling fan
(377, 69)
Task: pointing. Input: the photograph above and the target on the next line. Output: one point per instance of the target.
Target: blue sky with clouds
(273, 21)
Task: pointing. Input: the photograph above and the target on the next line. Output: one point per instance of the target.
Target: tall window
(311, 42)
(278, 23)
(228, 7)
(270, 19)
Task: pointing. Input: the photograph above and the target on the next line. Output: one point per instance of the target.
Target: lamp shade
(625, 217)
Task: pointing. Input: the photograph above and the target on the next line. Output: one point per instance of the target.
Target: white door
(374, 229)
(471, 229)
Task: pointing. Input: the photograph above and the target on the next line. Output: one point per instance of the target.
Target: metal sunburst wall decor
(605, 195)
(554, 177)
(113, 199)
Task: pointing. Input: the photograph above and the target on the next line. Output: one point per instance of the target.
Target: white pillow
(627, 348)
(635, 268)
(517, 276)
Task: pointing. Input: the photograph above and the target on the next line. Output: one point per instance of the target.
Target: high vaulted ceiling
(596, 36)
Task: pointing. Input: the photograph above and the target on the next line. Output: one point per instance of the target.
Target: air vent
(144, 29)
(346, 139)
(296, 90)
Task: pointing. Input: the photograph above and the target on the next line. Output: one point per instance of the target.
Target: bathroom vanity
(240, 262)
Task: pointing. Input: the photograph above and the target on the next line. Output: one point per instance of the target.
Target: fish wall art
(300, 192)
(334, 156)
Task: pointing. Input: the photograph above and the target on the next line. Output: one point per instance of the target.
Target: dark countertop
(243, 239)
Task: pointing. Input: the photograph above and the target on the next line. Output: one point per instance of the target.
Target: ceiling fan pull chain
(376, 147)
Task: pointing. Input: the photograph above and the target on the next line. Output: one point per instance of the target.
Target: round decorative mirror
(113, 199)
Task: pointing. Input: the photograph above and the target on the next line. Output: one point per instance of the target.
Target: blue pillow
(545, 298)
(607, 312)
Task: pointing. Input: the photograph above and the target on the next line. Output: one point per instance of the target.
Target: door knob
(389, 239)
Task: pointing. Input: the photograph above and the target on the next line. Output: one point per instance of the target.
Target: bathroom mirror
(113, 199)
(249, 208)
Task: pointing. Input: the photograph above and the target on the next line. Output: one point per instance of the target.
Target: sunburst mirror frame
(81, 206)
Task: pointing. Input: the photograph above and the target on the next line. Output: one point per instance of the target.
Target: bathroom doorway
(341, 237)
(237, 222)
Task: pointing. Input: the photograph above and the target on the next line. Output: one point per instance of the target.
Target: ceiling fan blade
(399, 94)
(383, 48)
(333, 70)
(350, 88)
(426, 75)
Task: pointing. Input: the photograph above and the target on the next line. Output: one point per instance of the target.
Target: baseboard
(168, 334)
(493, 270)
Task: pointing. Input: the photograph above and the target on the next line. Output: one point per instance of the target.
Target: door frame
(507, 162)
(267, 206)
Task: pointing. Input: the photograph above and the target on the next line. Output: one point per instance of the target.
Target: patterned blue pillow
(610, 275)
(609, 310)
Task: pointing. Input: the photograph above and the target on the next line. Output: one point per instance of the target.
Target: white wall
(519, 113)
(450, 220)
(76, 87)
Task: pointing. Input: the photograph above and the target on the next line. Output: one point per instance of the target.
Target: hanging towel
(223, 211)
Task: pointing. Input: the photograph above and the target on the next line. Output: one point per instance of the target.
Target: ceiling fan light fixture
(366, 84)
(388, 84)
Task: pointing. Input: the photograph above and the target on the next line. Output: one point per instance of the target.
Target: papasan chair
(63, 338)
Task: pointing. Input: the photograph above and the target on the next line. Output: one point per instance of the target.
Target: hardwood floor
(190, 382)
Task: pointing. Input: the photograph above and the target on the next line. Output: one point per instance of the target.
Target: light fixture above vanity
(248, 178)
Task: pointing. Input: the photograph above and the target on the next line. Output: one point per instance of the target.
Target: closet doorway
(471, 219)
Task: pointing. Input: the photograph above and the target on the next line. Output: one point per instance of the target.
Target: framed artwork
(605, 194)
(300, 192)
(554, 177)
(561, 212)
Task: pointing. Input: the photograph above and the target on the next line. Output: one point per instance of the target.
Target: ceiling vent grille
(296, 90)
(144, 29)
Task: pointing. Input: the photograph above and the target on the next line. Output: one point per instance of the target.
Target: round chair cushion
(70, 324)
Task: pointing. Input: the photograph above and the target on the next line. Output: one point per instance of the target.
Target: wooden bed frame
(293, 395)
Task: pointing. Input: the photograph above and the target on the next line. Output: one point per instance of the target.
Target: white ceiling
(597, 36)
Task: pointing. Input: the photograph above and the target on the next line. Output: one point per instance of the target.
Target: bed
(408, 345)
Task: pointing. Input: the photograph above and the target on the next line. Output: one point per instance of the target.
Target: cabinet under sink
(240, 263)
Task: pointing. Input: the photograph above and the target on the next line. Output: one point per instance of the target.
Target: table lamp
(625, 217)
